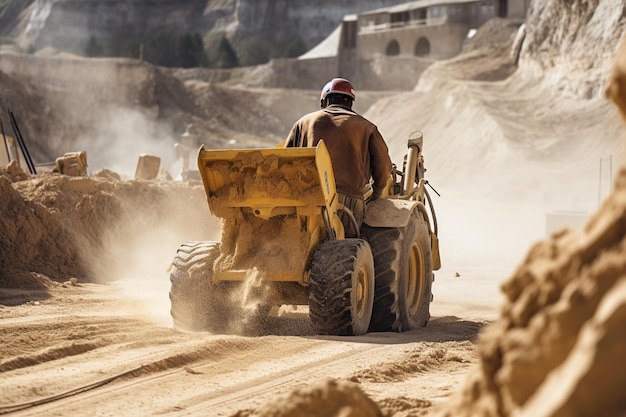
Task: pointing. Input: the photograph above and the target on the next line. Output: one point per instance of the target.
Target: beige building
(424, 28)
(389, 48)
(400, 41)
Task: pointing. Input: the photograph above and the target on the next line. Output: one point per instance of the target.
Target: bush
(262, 47)
(93, 47)
(170, 48)
(294, 48)
(166, 47)
(219, 51)
(191, 50)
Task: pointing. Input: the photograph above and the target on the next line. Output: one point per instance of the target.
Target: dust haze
(122, 134)
(525, 155)
(517, 307)
(139, 245)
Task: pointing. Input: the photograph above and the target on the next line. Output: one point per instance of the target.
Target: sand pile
(557, 349)
(330, 399)
(33, 241)
(91, 228)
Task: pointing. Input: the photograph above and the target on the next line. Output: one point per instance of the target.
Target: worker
(357, 150)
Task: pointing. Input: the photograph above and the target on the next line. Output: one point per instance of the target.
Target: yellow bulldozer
(283, 243)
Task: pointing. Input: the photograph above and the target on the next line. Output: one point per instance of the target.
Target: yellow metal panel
(325, 170)
(272, 201)
(436, 258)
(266, 178)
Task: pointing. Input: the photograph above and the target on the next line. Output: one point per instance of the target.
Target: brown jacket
(356, 147)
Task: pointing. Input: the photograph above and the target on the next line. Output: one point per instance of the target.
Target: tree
(253, 50)
(93, 47)
(219, 52)
(191, 51)
(120, 45)
(161, 48)
(295, 48)
(226, 56)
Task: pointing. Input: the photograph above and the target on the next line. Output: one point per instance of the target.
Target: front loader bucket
(268, 181)
(277, 205)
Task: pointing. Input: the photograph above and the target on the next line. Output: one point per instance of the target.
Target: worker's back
(349, 138)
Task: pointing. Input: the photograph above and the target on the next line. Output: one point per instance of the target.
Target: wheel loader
(283, 243)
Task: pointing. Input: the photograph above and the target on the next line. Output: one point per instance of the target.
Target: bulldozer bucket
(268, 181)
(273, 203)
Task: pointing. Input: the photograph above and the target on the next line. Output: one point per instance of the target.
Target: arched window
(393, 48)
(422, 47)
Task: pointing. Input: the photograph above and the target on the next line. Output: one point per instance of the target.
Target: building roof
(329, 47)
(412, 5)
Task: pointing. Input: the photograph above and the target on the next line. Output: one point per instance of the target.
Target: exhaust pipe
(415, 142)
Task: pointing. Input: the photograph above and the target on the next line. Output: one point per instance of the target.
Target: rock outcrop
(68, 25)
(571, 44)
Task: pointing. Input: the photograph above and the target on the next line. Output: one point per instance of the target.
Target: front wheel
(341, 287)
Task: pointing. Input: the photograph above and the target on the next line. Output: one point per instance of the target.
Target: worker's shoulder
(311, 116)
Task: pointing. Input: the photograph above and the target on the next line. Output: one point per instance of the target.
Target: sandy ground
(111, 349)
(106, 346)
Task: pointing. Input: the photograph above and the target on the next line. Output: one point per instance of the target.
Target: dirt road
(110, 350)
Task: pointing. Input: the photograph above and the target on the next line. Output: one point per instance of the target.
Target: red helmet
(338, 86)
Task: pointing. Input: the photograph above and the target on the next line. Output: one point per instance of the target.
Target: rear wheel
(402, 258)
(341, 287)
(195, 301)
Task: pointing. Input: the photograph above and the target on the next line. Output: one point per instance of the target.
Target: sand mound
(92, 228)
(32, 239)
(557, 348)
(486, 55)
(569, 45)
(329, 399)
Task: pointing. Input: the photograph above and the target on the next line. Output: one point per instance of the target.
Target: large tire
(341, 287)
(403, 263)
(195, 304)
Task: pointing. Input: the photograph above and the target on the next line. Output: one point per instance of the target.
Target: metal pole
(600, 183)
(20, 139)
(611, 169)
(6, 145)
(610, 162)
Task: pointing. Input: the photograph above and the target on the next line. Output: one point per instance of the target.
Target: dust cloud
(101, 230)
(527, 165)
(111, 231)
(138, 247)
(114, 109)
(122, 134)
(254, 289)
(138, 263)
(502, 154)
